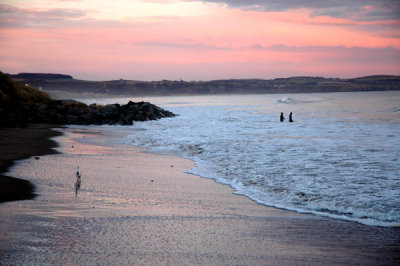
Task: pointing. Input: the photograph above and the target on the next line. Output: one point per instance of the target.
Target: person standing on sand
(78, 181)
(282, 118)
(290, 117)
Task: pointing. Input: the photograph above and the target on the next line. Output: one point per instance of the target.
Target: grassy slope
(11, 91)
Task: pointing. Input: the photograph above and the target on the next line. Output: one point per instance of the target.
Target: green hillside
(11, 91)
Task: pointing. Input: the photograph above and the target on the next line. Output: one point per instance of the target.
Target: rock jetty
(73, 112)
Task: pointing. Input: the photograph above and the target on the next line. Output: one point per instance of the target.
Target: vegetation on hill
(11, 91)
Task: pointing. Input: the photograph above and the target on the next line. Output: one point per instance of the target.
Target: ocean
(339, 158)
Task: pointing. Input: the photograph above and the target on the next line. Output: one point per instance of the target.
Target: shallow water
(338, 159)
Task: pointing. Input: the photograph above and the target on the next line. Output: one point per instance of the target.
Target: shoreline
(18, 143)
(157, 214)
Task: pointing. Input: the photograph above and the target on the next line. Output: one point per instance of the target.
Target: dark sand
(176, 219)
(21, 143)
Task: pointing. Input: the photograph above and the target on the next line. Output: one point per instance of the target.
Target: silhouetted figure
(290, 117)
(78, 181)
(282, 117)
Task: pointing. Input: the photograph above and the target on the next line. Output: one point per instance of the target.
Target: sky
(200, 40)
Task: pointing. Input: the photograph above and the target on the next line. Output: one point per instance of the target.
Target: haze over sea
(340, 157)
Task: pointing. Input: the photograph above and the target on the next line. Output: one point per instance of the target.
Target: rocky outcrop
(73, 112)
(25, 104)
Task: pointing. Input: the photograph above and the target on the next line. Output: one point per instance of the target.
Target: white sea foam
(340, 167)
(283, 100)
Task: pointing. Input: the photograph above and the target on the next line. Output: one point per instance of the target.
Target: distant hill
(41, 76)
(58, 84)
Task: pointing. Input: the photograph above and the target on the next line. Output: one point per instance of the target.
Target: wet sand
(136, 208)
(20, 143)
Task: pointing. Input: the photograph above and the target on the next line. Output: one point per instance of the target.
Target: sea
(339, 158)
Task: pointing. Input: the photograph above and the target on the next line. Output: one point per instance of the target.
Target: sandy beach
(137, 208)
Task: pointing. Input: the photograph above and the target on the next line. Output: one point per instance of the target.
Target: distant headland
(60, 84)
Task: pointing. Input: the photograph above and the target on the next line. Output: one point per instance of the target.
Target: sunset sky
(200, 40)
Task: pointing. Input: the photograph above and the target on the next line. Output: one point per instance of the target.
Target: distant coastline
(64, 86)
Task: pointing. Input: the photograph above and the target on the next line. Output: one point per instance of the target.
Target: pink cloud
(14, 17)
(229, 43)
